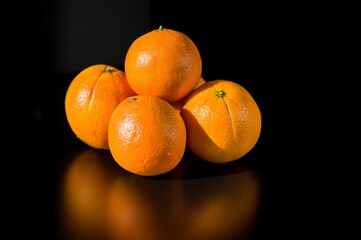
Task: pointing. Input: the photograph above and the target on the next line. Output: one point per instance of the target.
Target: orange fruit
(223, 121)
(90, 100)
(165, 63)
(200, 82)
(178, 105)
(147, 135)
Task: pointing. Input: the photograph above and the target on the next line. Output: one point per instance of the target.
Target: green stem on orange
(220, 93)
(108, 69)
(132, 99)
(160, 29)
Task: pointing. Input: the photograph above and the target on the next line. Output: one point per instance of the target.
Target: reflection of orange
(129, 215)
(226, 208)
(85, 187)
(142, 208)
(91, 99)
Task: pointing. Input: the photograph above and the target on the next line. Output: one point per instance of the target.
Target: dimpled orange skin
(147, 135)
(223, 121)
(164, 63)
(178, 105)
(90, 100)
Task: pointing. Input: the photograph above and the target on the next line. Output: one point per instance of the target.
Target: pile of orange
(148, 114)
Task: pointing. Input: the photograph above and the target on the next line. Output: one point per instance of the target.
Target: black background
(246, 42)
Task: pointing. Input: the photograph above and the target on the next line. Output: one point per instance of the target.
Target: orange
(90, 100)
(201, 81)
(147, 135)
(223, 121)
(165, 63)
(178, 105)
